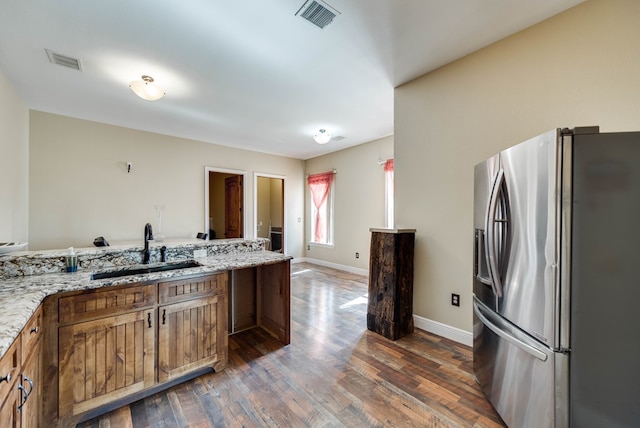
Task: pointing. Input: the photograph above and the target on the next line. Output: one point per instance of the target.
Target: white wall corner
(346, 268)
(435, 327)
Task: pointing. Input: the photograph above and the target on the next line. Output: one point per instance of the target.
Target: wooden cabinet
(106, 350)
(192, 333)
(106, 346)
(105, 359)
(114, 345)
(30, 379)
(9, 415)
(390, 308)
(10, 396)
(20, 388)
(30, 374)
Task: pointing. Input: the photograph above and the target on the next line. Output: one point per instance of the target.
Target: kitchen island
(70, 315)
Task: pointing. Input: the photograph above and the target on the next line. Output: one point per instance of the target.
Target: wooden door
(105, 359)
(274, 300)
(233, 201)
(191, 335)
(31, 381)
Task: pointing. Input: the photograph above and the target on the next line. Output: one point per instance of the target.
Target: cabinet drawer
(31, 332)
(190, 288)
(100, 303)
(9, 367)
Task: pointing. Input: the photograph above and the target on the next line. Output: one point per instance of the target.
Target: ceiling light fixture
(146, 89)
(322, 137)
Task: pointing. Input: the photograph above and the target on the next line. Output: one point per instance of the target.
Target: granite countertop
(21, 296)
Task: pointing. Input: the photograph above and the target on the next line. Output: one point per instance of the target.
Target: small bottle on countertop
(71, 261)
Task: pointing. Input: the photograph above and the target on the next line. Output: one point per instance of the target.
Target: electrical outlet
(357, 255)
(199, 254)
(308, 247)
(455, 299)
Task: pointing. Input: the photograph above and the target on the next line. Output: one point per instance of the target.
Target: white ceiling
(245, 73)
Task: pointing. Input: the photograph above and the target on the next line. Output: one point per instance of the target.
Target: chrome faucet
(148, 236)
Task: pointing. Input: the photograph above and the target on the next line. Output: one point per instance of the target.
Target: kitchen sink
(143, 270)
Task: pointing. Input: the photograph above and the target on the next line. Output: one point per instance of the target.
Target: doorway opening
(269, 210)
(224, 203)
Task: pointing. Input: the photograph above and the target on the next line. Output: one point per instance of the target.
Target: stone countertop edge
(122, 246)
(21, 296)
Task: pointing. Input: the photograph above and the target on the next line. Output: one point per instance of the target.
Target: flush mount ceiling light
(146, 89)
(322, 137)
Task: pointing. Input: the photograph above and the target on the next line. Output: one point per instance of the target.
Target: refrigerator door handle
(508, 337)
(491, 248)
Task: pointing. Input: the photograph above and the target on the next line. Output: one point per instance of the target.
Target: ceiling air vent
(318, 13)
(56, 58)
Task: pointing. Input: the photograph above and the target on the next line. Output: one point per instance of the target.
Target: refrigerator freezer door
(529, 294)
(515, 371)
(485, 175)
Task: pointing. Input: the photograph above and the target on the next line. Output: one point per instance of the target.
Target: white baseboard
(444, 330)
(345, 268)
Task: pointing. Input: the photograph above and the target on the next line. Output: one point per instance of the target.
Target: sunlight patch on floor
(362, 300)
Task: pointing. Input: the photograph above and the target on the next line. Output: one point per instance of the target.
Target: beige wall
(80, 188)
(14, 165)
(579, 68)
(358, 200)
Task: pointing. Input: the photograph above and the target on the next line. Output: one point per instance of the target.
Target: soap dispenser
(71, 261)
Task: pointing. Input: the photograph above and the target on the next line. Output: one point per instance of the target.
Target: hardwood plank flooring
(334, 373)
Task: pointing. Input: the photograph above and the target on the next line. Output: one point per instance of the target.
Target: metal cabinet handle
(34, 330)
(164, 316)
(149, 319)
(26, 394)
(6, 378)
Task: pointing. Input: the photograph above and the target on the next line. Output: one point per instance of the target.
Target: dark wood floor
(334, 373)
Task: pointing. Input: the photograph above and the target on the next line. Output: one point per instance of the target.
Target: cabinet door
(274, 300)
(191, 335)
(9, 394)
(31, 384)
(9, 415)
(105, 359)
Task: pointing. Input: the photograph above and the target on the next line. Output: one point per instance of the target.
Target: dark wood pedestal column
(390, 309)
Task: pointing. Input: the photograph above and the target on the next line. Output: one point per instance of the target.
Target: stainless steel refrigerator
(556, 310)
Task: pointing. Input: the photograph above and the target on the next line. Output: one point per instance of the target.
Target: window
(388, 194)
(321, 204)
